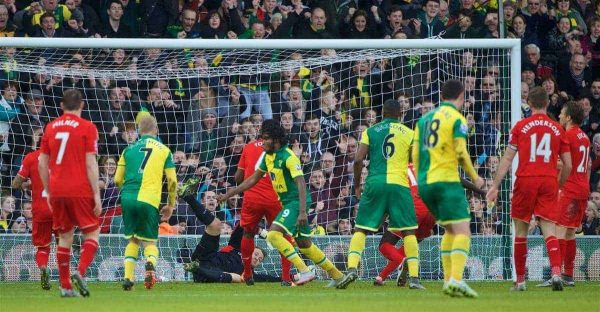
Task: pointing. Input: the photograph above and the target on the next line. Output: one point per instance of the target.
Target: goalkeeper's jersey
(144, 163)
(435, 137)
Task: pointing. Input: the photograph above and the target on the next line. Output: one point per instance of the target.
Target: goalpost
(209, 97)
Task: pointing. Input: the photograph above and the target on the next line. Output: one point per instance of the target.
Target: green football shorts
(379, 199)
(140, 219)
(288, 217)
(446, 201)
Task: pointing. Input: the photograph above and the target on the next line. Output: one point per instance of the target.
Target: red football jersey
(539, 141)
(263, 190)
(414, 189)
(39, 201)
(577, 185)
(67, 140)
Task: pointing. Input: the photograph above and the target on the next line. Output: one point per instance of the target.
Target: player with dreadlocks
(287, 177)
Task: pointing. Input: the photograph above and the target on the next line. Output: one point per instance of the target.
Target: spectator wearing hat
(528, 74)
(34, 116)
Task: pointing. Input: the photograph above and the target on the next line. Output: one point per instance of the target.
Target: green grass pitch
(360, 296)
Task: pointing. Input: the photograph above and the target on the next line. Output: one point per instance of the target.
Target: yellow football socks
(357, 245)
(459, 255)
(411, 247)
(131, 256)
(446, 249)
(151, 254)
(277, 240)
(317, 256)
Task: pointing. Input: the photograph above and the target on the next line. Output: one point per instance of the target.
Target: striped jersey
(283, 167)
(389, 144)
(435, 142)
(141, 167)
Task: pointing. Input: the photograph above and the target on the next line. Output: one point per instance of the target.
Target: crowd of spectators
(207, 120)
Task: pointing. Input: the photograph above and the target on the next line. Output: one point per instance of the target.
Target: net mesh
(209, 103)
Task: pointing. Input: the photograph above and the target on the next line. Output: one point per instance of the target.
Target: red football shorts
(425, 222)
(253, 212)
(535, 195)
(41, 234)
(70, 212)
(571, 211)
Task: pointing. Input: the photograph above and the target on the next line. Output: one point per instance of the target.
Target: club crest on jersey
(272, 175)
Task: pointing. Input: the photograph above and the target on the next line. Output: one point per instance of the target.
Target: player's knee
(303, 243)
(273, 235)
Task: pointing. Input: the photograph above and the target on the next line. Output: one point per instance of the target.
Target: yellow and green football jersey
(141, 168)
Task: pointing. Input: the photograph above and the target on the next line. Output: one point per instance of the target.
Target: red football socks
(88, 251)
(247, 249)
(63, 259)
(569, 258)
(553, 248)
(41, 256)
(286, 265)
(520, 257)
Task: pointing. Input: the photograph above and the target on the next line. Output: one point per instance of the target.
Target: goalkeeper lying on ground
(209, 263)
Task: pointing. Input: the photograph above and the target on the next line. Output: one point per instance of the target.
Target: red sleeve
(242, 163)
(24, 171)
(92, 140)
(514, 136)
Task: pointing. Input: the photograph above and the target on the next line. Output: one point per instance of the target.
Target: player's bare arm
(566, 168)
(167, 210)
(361, 154)
(301, 184)
(239, 175)
(93, 176)
(464, 160)
(17, 182)
(248, 183)
(503, 166)
(44, 173)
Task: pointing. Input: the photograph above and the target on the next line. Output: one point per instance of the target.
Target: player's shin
(446, 248)
(412, 255)
(131, 256)
(88, 252)
(284, 247)
(569, 260)
(41, 256)
(151, 254)
(459, 255)
(247, 248)
(63, 260)
(357, 245)
(317, 256)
